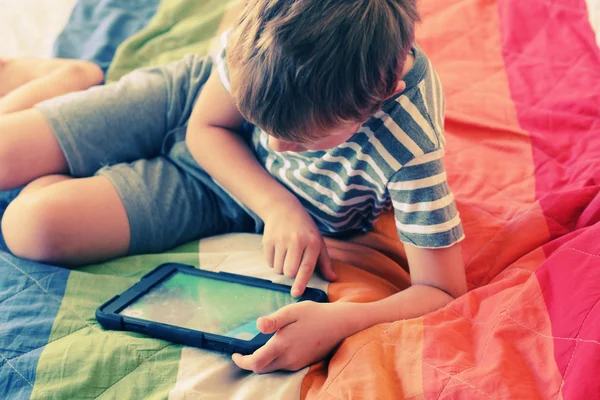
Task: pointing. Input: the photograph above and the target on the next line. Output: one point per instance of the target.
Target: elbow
(451, 293)
(458, 293)
(455, 292)
(460, 289)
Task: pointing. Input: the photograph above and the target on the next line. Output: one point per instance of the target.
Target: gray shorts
(133, 133)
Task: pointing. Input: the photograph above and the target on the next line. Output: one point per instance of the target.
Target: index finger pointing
(307, 266)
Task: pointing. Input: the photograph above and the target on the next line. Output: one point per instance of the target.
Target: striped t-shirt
(394, 160)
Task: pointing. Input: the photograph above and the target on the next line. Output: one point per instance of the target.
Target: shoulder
(410, 124)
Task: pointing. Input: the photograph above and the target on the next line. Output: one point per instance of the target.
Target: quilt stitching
(575, 339)
(42, 288)
(413, 355)
(539, 60)
(487, 340)
(486, 278)
(85, 322)
(16, 370)
(144, 360)
(554, 87)
(16, 293)
(564, 377)
(449, 375)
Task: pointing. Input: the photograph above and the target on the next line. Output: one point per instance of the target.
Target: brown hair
(301, 67)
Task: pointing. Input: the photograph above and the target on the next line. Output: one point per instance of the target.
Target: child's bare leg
(28, 149)
(67, 221)
(26, 82)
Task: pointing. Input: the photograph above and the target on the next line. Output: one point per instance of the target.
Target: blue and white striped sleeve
(425, 211)
(221, 61)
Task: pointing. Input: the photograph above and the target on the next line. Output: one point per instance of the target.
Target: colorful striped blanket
(522, 80)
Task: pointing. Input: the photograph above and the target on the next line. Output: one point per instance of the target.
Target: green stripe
(82, 360)
(177, 29)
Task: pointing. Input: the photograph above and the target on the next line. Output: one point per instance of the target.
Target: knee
(85, 73)
(31, 229)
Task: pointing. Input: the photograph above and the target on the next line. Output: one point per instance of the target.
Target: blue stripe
(426, 218)
(30, 296)
(412, 128)
(97, 28)
(427, 194)
(391, 143)
(440, 239)
(329, 183)
(420, 171)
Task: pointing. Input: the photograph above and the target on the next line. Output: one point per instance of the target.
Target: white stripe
(434, 92)
(418, 183)
(360, 155)
(353, 172)
(442, 121)
(333, 195)
(402, 137)
(321, 206)
(424, 206)
(417, 116)
(429, 229)
(305, 196)
(373, 194)
(391, 161)
(440, 96)
(430, 108)
(425, 158)
(328, 157)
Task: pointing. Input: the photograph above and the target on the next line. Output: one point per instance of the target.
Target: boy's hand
(293, 245)
(306, 333)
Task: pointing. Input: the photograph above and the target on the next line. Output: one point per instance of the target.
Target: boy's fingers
(275, 365)
(258, 360)
(269, 251)
(279, 258)
(276, 321)
(305, 271)
(325, 265)
(292, 261)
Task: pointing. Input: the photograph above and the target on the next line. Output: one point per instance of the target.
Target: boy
(317, 116)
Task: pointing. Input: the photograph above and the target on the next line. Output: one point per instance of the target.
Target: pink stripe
(553, 65)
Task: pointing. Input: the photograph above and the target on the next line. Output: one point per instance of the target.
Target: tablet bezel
(108, 314)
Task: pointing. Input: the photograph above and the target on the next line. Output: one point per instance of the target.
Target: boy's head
(304, 70)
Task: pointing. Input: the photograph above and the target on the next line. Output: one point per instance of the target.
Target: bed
(522, 82)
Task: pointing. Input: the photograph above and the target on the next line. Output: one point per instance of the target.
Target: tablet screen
(210, 305)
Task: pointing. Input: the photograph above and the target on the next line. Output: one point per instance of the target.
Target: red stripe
(553, 64)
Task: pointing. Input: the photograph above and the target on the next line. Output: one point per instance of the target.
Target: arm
(437, 277)
(214, 143)
(306, 333)
(292, 242)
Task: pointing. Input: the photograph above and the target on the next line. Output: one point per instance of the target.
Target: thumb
(325, 265)
(277, 320)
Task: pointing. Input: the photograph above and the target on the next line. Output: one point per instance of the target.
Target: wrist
(355, 317)
(275, 203)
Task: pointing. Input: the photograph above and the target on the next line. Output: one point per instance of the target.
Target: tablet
(186, 305)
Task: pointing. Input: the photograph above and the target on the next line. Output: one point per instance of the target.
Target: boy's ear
(399, 88)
